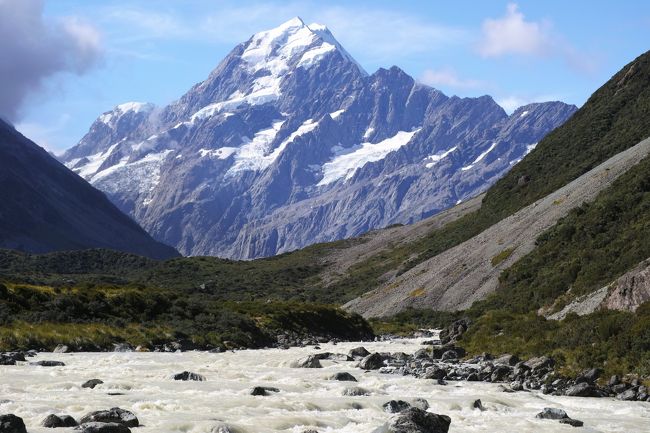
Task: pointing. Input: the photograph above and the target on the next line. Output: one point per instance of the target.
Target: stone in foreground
(113, 415)
(552, 413)
(343, 377)
(188, 375)
(103, 427)
(12, 424)
(414, 420)
(55, 421)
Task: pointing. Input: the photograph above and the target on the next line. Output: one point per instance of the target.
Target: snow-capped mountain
(290, 142)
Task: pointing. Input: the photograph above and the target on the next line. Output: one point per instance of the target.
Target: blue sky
(155, 51)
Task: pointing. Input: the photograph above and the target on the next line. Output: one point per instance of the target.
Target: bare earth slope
(461, 275)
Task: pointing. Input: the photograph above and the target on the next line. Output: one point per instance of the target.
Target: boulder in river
(48, 363)
(55, 421)
(92, 383)
(395, 406)
(188, 375)
(478, 404)
(103, 427)
(572, 422)
(113, 415)
(420, 403)
(374, 361)
(414, 420)
(12, 424)
(263, 390)
(343, 377)
(307, 362)
(358, 352)
(552, 413)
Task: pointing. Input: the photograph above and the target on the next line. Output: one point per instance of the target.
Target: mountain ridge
(46, 207)
(260, 158)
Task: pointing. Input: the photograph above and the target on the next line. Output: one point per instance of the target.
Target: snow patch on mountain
(434, 159)
(220, 153)
(142, 175)
(347, 161)
(479, 158)
(135, 107)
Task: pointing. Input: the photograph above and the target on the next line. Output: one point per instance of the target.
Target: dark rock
(113, 415)
(441, 382)
(343, 377)
(263, 390)
(572, 422)
(552, 413)
(473, 377)
(187, 375)
(414, 420)
(629, 395)
(395, 406)
(54, 421)
(48, 363)
(421, 354)
(359, 352)
(589, 376)
(307, 362)
(355, 391)
(12, 424)
(103, 427)
(453, 332)
(523, 180)
(614, 380)
(507, 359)
(92, 383)
(541, 362)
(435, 372)
(373, 361)
(449, 354)
(619, 388)
(478, 404)
(500, 373)
(420, 403)
(582, 390)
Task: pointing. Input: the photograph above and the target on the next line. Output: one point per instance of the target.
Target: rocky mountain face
(289, 142)
(46, 207)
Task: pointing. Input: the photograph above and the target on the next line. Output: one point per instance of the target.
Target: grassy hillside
(91, 299)
(615, 118)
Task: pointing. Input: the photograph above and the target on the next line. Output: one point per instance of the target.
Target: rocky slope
(469, 272)
(290, 142)
(46, 207)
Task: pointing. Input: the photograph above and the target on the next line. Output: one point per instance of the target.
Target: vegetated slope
(46, 207)
(589, 248)
(289, 142)
(456, 278)
(91, 299)
(619, 110)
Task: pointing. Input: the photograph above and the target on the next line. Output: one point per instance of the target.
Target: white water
(307, 398)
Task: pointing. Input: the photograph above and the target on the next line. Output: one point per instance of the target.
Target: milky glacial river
(306, 398)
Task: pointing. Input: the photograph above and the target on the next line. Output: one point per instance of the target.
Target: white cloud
(511, 102)
(447, 77)
(512, 34)
(33, 49)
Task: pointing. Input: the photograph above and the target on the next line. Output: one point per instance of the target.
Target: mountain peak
(292, 43)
